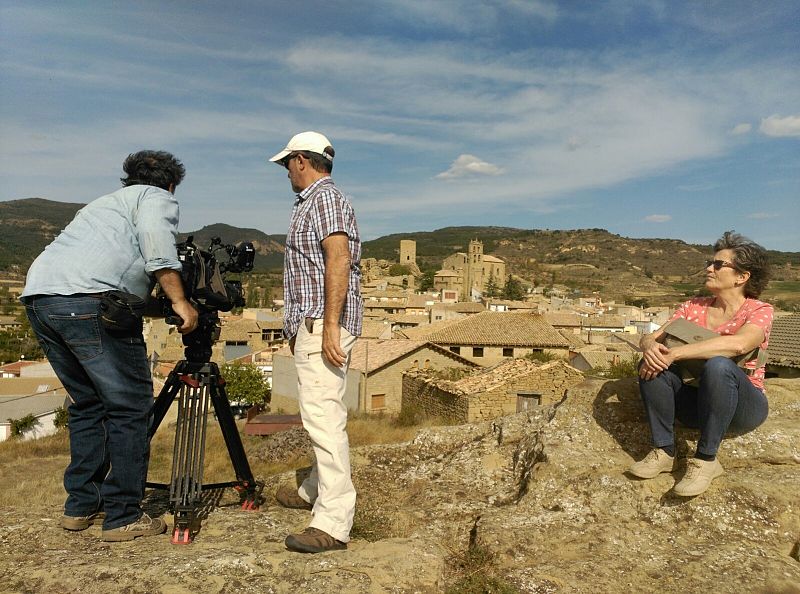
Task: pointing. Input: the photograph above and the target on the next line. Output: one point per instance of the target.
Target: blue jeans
(111, 393)
(725, 401)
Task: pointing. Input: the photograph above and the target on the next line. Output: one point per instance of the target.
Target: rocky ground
(533, 503)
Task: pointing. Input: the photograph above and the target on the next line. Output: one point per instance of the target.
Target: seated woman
(728, 398)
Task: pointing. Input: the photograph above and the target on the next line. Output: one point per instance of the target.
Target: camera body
(204, 275)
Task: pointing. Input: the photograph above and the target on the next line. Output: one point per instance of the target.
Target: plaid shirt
(320, 210)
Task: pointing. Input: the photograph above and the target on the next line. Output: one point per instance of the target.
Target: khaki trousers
(321, 388)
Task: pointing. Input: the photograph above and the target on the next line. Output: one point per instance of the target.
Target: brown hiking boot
(81, 522)
(289, 497)
(313, 540)
(144, 526)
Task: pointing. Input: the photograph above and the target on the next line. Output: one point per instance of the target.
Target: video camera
(204, 275)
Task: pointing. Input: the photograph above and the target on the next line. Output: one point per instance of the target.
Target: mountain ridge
(582, 259)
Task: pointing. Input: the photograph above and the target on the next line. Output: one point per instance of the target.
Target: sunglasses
(287, 158)
(719, 264)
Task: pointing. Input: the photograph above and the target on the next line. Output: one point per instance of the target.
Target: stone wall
(421, 393)
(446, 399)
(550, 381)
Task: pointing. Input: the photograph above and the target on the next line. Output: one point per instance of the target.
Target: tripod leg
(165, 398)
(248, 488)
(188, 457)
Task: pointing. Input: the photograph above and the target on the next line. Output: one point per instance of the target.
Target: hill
(652, 271)
(536, 502)
(657, 270)
(28, 225)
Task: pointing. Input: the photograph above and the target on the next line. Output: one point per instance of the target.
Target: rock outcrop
(536, 502)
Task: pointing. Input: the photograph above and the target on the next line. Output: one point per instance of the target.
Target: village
(459, 350)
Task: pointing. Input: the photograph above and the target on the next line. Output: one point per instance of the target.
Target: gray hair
(748, 256)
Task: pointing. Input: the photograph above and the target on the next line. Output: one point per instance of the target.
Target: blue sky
(649, 119)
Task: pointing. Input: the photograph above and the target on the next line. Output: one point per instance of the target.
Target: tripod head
(198, 343)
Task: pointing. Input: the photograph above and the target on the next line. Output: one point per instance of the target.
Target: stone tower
(473, 269)
(408, 252)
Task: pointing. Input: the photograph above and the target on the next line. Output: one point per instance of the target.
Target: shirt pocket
(81, 332)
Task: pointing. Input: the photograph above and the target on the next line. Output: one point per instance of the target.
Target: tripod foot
(181, 536)
(250, 505)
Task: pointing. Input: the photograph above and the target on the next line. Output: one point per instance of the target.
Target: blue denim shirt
(115, 242)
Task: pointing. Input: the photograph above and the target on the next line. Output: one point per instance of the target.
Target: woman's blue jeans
(725, 401)
(111, 393)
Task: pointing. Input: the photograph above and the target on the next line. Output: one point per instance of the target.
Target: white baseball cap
(306, 141)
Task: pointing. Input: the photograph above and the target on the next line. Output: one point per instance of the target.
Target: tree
(426, 281)
(399, 270)
(513, 290)
(492, 290)
(245, 383)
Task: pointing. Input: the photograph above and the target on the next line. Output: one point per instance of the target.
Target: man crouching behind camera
(121, 242)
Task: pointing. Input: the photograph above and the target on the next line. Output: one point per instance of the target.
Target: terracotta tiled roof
(461, 307)
(606, 321)
(16, 366)
(415, 319)
(564, 319)
(447, 273)
(575, 341)
(630, 339)
(422, 331)
(419, 300)
(239, 330)
(784, 341)
(488, 258)
(371, 355)
(603, 358)
(491, 328)
(373, 328)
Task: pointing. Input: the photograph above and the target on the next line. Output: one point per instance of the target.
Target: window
(508, 351)
(378, 401)
(427, 364)
(456, 350)
(477, 351)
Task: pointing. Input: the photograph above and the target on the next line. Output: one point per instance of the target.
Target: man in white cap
(323, 315)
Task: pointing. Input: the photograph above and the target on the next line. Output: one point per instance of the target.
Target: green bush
(22, 425)
(61, 419)
(541, 356)
(245, 383)
(625, 367)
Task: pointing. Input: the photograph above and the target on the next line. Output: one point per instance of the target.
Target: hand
(331, 345)
(656, 356)
(187, 314)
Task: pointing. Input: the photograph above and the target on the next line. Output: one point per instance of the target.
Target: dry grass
(31, 472)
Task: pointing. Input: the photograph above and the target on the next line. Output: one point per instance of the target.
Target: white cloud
(775, 125)
(658, 218)
(762, 215)
(469, 166)
(740, 129)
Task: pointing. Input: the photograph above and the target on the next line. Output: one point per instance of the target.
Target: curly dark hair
(152, 168)
(748, 256)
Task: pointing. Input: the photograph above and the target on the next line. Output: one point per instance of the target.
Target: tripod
(196, 381)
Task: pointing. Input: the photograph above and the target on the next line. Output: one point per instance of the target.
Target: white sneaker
(653, 464)
(144, 526)
(698, 477)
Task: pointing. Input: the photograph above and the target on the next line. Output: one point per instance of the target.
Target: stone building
(489, 337)
(408, 252)
(507, 388)
(470, 272)
(374, 379)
